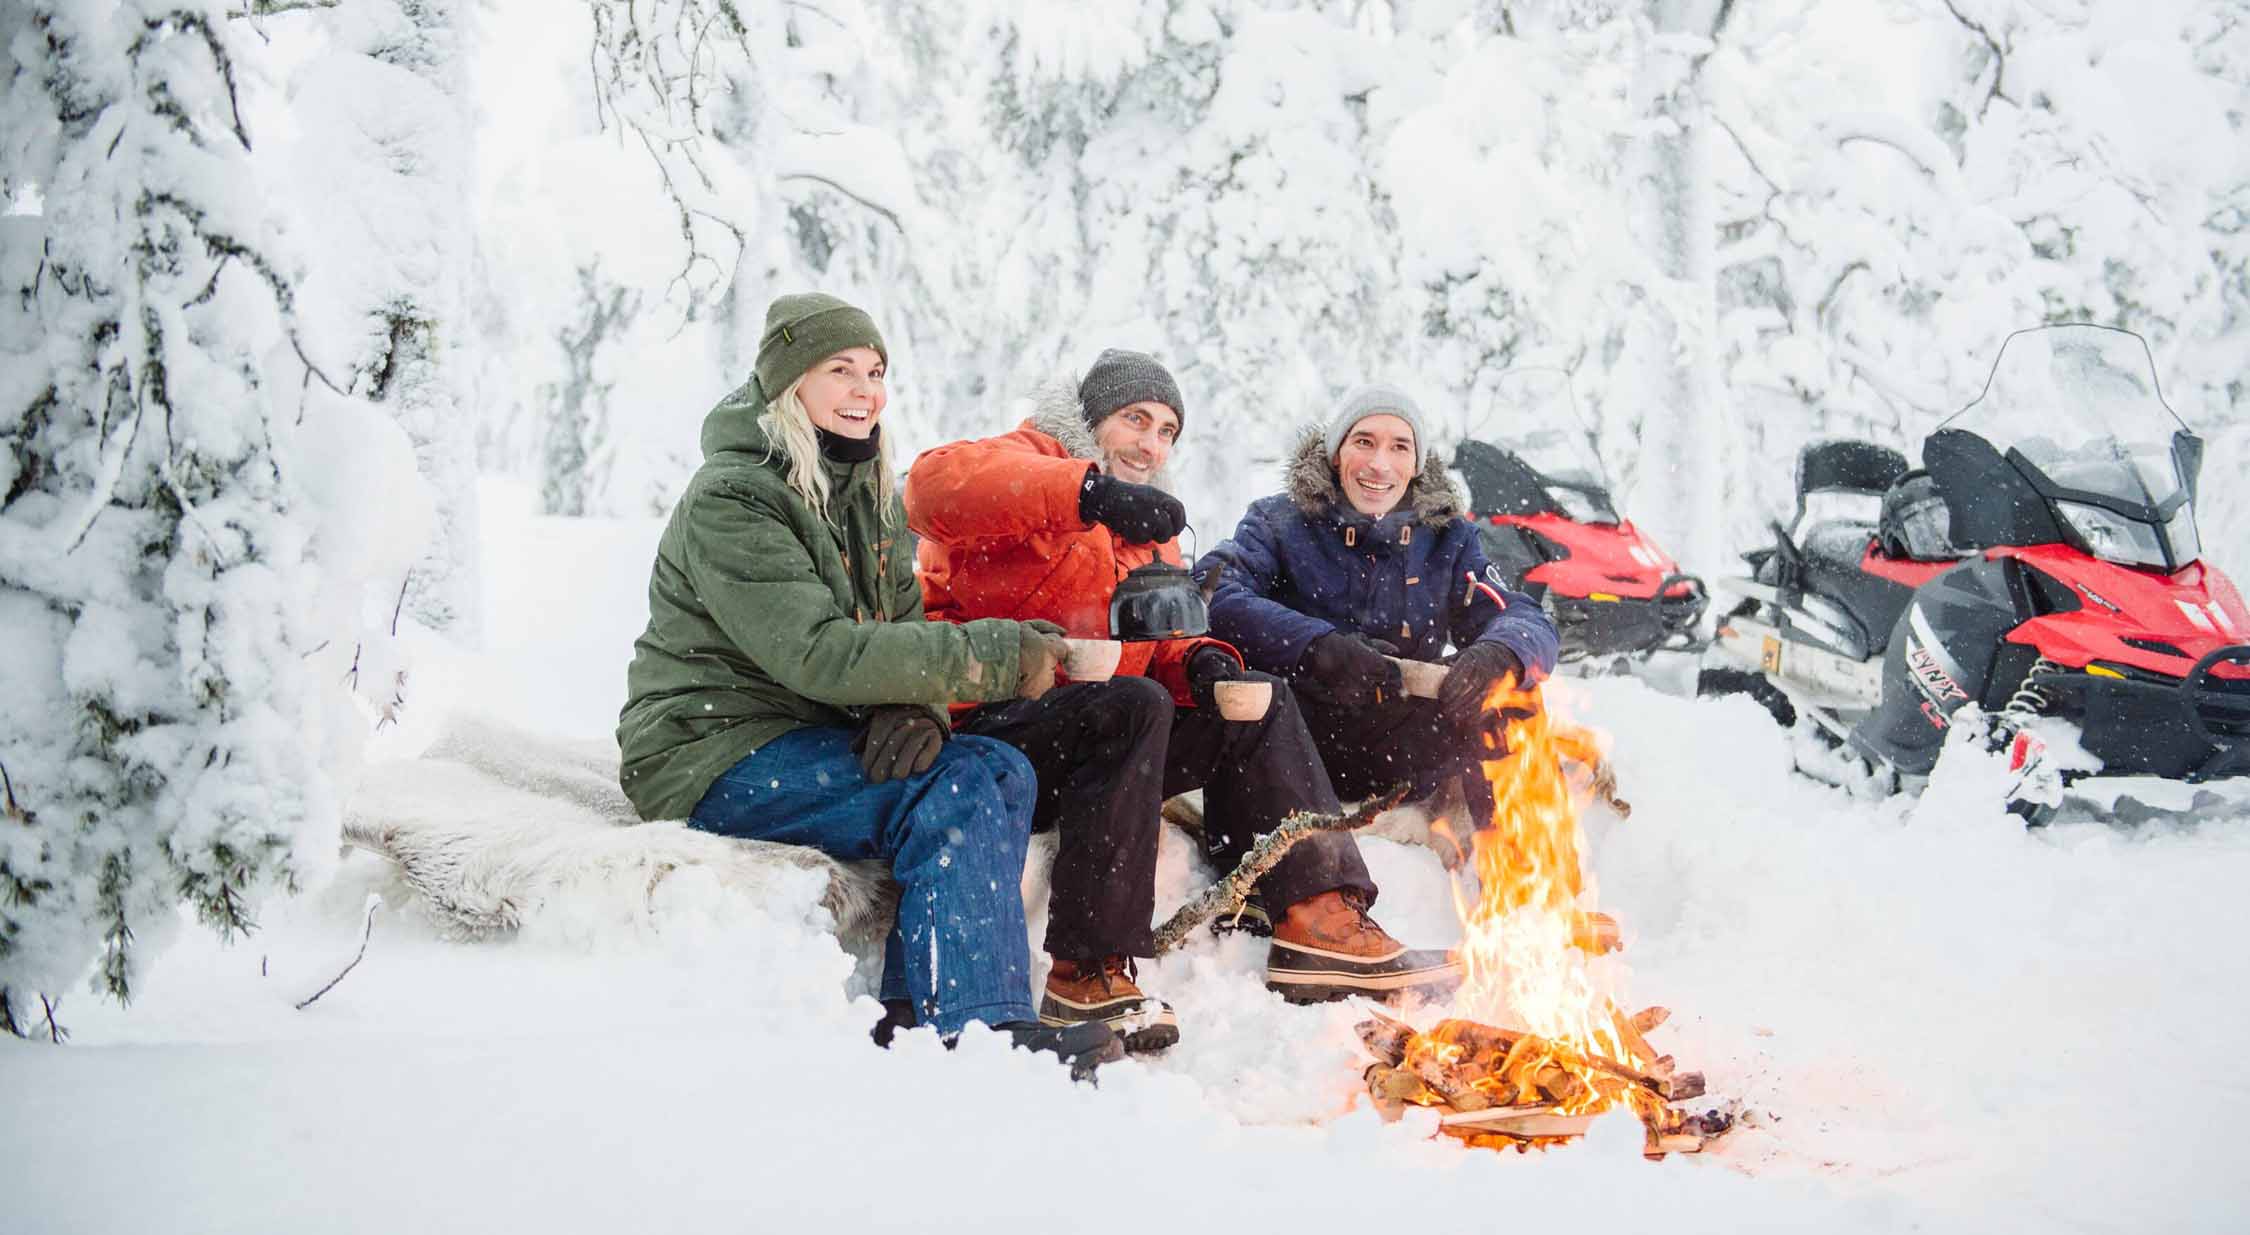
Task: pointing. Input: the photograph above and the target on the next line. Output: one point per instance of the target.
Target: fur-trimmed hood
(1055, 411)
(1432, 498)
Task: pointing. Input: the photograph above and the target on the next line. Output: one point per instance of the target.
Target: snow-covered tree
(383, 157)
(153, 581)
(579, 419)
(1738, 226)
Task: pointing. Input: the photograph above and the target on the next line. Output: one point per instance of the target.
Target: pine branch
(1231, 894)
(195, 23)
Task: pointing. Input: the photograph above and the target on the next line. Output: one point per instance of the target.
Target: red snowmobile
(1541, 501)
(2039, 577)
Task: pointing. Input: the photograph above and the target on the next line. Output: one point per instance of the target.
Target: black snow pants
(1109, 753)
(1371, 750)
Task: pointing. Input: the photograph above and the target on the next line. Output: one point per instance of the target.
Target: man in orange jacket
(1041, 523)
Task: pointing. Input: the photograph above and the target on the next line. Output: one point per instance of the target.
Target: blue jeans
(954, 836)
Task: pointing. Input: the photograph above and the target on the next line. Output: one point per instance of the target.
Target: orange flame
(1531, 935)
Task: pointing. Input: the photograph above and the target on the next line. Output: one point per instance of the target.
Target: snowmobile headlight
(2113, 537)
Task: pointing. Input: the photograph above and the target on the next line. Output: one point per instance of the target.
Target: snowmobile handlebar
(2199, 702)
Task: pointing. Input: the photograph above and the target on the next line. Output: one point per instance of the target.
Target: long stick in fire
(1230, 894)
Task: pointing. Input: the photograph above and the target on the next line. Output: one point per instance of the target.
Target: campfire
(1532, 954)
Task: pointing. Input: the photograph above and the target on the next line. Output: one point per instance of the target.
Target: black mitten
(1140, 514)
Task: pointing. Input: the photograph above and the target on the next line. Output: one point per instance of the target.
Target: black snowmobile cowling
(1611, 591)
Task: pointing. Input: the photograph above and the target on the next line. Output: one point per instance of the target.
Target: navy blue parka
(1303, 563)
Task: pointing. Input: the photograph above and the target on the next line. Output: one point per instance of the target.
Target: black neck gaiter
(837, 448)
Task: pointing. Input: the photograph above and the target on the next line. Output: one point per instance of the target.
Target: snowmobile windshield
(2078, 410)
(1582, 501)
(1533, 414)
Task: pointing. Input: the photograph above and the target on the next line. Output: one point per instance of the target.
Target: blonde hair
(789, 429)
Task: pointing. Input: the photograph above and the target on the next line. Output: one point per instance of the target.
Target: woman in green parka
(788, 689)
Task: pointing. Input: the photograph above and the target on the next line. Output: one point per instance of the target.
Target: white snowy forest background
(290, 283)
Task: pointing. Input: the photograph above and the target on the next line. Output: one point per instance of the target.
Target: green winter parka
(766, 615)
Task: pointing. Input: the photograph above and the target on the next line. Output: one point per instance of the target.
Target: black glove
(897, 740)
(1348, 671)
(1141, 514)
(1475, 670)
(1206, 668)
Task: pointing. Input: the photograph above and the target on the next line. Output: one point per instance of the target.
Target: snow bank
(1949, 1023)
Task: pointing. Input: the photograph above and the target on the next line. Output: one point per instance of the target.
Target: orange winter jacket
(1001, 537)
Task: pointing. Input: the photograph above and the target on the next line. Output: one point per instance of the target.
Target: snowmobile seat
(1846, 466)
(1838, 540)
(1916, 522)
(1839, 490)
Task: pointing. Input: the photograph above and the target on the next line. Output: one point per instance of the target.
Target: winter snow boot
(897, 1014)
(1084, 1047)
(1253, 920)
(1326, 947)
(1103, 992)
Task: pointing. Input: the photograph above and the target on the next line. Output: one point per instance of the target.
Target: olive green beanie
(804, 329)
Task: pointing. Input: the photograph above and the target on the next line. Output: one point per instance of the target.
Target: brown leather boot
(1103, 991)
(1326, 947)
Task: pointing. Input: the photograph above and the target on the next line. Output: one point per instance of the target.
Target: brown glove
(898, 740)
(1043, 651)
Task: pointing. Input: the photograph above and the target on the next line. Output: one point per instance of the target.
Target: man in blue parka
(1368, 555)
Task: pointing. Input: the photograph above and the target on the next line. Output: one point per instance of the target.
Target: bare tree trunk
(1684, 436)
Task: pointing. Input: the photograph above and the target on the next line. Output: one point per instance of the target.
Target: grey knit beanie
(1376, 400)
(1120, 377)
(804, 329)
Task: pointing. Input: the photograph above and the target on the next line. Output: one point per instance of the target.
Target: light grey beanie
(1376, 400)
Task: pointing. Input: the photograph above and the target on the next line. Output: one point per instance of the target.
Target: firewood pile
(1503, 1089)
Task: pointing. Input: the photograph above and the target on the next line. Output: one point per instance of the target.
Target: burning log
(1605, 788)
(1629, 1033)
(1458, 1091)
(1386, 1038)
(1597, 933)
(1392, 1088)
(1512, 1121)
(1230, 894)
(1495, 1086)
(1530, 933)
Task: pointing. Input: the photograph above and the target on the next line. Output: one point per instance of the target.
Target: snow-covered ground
(1947, 1022)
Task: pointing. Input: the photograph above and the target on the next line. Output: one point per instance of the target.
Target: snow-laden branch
(268, 8)
(654, 67)
(1999, 55)
(1918, 144)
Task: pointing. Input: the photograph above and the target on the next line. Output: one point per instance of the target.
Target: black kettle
(1160, 601)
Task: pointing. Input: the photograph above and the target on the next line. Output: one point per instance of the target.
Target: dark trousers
(1107, 754)
(1374, 749)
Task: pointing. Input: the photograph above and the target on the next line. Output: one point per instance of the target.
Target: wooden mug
(1241, 700)
(1092, 660)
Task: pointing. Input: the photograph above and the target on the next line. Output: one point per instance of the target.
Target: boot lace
(1357, 902)
(1108, 970)
(1122, 967)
